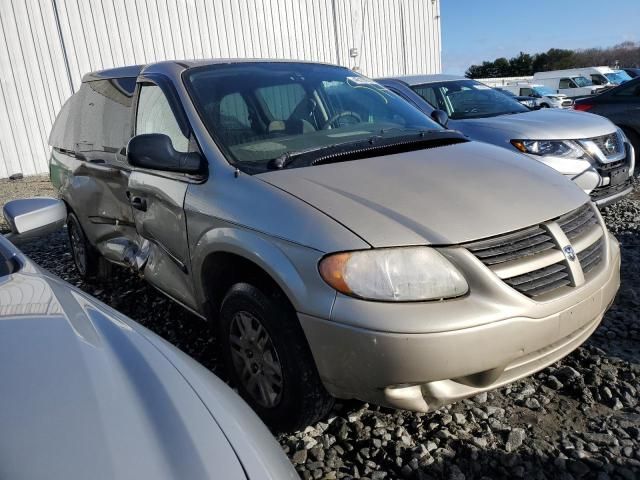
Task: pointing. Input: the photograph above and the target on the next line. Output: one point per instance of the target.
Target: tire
(85, 257)
(544, 105)
(264, 346)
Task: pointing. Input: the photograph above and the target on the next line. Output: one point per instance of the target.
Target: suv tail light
(583, 107)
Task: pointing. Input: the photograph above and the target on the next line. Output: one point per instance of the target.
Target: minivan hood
(545, 124)
(446, 195)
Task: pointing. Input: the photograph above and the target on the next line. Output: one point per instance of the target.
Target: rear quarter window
(97, 118)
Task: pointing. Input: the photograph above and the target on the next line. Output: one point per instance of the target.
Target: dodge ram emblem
(569, 253)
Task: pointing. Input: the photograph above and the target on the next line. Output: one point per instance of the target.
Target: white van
(573, 82)
(604, 75)
(543, 96)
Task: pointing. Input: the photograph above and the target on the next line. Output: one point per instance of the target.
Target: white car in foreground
(88, 393)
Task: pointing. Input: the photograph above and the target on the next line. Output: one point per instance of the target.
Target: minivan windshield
(464, 99)
(259, 112)
(618, 77)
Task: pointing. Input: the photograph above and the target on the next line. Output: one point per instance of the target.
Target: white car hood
(86, 396)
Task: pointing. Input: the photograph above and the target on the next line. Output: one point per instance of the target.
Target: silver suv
(588, 149)
(342, 243)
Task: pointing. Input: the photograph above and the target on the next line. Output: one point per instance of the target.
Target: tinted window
(429, 95)
(525, 92)
(96, 118)
(63, 131)
(463, 99)
(155, 116)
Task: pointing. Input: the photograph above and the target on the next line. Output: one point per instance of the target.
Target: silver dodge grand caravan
(342, 243)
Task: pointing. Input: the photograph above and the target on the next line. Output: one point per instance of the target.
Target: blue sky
(477, 30)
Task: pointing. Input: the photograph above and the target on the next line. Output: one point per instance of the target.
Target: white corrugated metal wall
(47, 45)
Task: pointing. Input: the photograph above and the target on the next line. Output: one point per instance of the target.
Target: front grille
(607, 167)
(512, 246)
(600, 193)
(610, 145)
(567, 103)
(541, 281)
(532, 260)
(591, 256)
(577, 222)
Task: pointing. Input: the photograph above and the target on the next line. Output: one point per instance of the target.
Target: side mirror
(33, 217)
(440, 116)
(155, 151)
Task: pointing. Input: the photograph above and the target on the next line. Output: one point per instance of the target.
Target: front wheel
(269, 361)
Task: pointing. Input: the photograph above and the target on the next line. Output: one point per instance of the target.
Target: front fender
(293, 267)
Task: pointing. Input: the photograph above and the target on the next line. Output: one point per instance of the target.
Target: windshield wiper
(373, 146)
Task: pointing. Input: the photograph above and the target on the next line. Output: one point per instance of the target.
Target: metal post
(62, 45)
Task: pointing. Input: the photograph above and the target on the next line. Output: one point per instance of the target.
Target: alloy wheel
(255, 359)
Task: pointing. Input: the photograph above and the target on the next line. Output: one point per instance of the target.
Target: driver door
(157, 199)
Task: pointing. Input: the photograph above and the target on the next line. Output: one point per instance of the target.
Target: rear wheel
(87, 260)
(544, 105)
(269, 361)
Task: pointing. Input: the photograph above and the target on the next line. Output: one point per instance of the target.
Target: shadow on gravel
(490, 464)
(619, 333)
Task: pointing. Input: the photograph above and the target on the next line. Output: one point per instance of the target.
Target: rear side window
(429, 94)
(64, 130)
(96, 118)
(566, 83)
(525, 92)
(155, 116)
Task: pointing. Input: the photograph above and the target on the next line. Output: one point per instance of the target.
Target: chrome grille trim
(512, 246)
(541, 281)
(532, 260)
(591, 256)
(577, 222)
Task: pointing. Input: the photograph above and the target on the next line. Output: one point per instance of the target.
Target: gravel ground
(579, 418)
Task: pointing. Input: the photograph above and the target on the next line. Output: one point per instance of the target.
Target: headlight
(554, 148)
(394, 274)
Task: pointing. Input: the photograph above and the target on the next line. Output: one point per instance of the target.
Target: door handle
(138, 203)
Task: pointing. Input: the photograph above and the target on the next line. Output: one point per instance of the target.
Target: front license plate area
(618, 176)
(581, 314)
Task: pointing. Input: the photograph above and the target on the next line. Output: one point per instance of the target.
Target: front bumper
(593, 177)
(494, 341)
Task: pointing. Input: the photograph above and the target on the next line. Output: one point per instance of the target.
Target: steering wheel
(346, 113)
